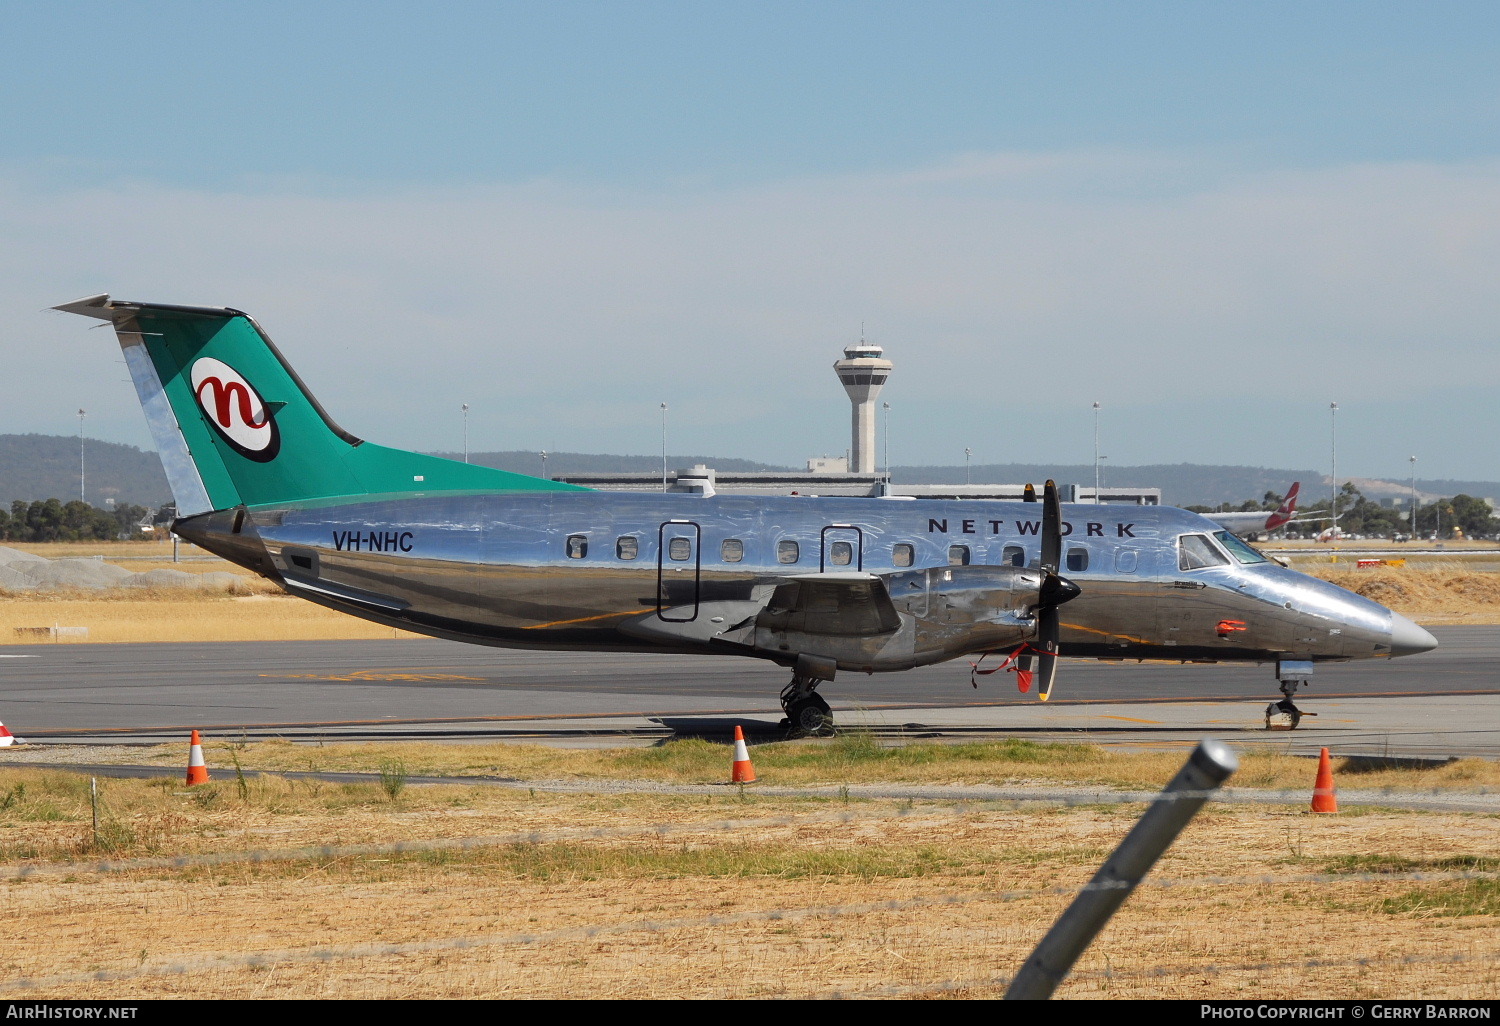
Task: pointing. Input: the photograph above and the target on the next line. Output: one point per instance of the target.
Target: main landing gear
(807, 715)
(1292, 673)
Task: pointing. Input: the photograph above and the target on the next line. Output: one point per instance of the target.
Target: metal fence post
(1209, 766)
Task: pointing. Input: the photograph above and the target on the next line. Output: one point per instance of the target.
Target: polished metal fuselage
(575, 570)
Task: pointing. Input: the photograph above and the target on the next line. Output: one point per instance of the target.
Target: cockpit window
(1195, 551)
(1238, 548)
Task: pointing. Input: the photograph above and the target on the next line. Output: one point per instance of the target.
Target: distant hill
(46, 466)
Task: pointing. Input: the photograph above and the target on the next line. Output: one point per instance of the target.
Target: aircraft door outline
(679, 544)
(845, 550)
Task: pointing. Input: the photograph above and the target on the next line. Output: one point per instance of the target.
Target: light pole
(543, 455)
(1333, 447)
(663, 446)
(80, 456)
(967, 454)
(1413, 497)
(1098, 479)
(1096, 454)
(465, 409)
(1332, 435)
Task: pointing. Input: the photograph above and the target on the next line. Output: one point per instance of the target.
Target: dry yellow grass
(131, 615)
(893, 900)
(160, 549)
(1439, 593)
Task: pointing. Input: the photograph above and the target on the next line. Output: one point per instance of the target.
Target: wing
(856, 605)
(849, 604)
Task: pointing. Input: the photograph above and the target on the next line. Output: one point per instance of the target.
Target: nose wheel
(1284, 715)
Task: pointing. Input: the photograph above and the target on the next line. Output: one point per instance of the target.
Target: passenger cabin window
(1238, 548)
(1013, 555)
(627, 547)
(1195, 551)
(578, 546)
(903, 554)
(1078, 560)
(680, 549)
(1125, 561)
(732, 551)
(958, 555)
(841, 553)
(787, 552)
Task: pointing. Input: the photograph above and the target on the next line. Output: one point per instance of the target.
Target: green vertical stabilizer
(235, 425)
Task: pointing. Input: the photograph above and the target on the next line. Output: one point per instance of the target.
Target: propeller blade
(1029, 494)
(1047, 631)
(1054, 591)
(1051, 529)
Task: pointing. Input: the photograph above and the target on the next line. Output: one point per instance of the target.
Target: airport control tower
(863, 371)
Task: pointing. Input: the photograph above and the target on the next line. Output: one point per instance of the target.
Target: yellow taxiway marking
(1129, 719)
(1104, 633)
(372, 675)
(586, 619)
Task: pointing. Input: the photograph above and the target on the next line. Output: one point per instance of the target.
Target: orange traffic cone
(742, 772)
(197, 768)
(6, 737)
(1324, 799)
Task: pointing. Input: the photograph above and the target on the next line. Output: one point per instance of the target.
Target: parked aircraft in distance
(1255, 523)
(265, 478)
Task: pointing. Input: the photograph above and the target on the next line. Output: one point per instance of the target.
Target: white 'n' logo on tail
(235, 409)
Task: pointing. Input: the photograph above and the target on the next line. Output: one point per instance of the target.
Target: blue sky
(1212, 218)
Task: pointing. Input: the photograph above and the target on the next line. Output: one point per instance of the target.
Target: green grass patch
(1402, 864)
(1459, 898)
(853, 757)
(586, 862)
(1445, 898)
(578, 862)
(853, 754)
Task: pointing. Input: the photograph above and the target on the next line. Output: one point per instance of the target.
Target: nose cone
(1407, 638)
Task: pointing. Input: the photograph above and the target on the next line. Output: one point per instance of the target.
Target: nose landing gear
(1292, 674)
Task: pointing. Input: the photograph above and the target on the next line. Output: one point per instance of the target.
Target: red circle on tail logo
(235, 409)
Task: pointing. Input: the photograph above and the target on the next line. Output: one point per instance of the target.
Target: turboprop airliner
(1250, 525)
(265, 478)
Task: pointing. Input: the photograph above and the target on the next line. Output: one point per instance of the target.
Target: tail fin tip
(90, 306)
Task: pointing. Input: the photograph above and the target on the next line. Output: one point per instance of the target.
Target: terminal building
(702, 480)
(863, 372)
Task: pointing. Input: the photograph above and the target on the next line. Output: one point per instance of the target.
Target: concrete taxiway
(1433, 706)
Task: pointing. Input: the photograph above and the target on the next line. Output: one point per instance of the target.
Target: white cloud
(1008, 288)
